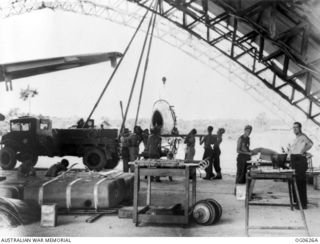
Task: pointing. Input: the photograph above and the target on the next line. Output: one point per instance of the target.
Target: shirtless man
(208, 142)
(244, 154)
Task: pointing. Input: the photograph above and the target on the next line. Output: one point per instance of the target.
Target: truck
(31, 137)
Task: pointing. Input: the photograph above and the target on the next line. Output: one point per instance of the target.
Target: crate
(48, 215)
(316, 181)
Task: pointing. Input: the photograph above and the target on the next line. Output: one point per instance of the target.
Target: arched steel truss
(235, 55)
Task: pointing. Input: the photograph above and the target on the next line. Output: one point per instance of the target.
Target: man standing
(297, 154)
(154, 146)
(125, 150)
(244, 155)
(217, 152)
(134, 141)
(208, 141)
(190, 141)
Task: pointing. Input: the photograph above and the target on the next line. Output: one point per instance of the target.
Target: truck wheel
(94, 159)
(7, 158)
(112, 163)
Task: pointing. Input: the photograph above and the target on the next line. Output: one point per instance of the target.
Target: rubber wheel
(7, 158)
(112, 163)
(94, 159)
(217, 207)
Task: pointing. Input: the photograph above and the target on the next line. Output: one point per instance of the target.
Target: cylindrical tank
(163, 117)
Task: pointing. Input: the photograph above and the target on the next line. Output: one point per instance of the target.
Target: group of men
(296, 152)
(212, 152)
(130, 145)
(296, 155)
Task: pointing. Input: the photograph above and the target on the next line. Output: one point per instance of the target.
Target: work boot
(218, 177)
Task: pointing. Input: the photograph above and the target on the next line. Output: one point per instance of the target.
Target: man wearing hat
(244, 154)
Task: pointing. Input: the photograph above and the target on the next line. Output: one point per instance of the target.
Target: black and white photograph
(159, 118)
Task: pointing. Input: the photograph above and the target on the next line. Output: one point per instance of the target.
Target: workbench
(153, 168)
(272, 174)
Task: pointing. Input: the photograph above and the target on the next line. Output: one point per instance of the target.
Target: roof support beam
(273, 55)
(261, 47)
(249, 36)
(234, 35)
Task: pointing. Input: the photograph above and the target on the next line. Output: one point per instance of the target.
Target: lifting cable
(136, 74)
(116, 68)
(145, 67)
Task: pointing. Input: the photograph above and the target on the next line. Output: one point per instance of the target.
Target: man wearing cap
(244, 155)
(297, 155)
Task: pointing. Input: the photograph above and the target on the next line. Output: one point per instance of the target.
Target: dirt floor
(232, 222)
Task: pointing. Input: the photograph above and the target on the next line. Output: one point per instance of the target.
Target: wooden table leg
(194, 187)
(300, 206)
(247, 205)
(186, 184)
(149, 191)
(290, 193)
(252, 182)
(136, 195)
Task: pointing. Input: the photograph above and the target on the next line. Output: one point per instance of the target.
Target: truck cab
(28, 138)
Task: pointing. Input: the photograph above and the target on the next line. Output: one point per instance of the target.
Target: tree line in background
(232, 126)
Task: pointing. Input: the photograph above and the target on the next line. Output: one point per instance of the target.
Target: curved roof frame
(247, 49)
(283, 49)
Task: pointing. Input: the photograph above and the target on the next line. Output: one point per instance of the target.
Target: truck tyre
(94, 159)
(113, 162)
(7, 158)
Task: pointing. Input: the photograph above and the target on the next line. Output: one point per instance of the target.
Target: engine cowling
(163, 117)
